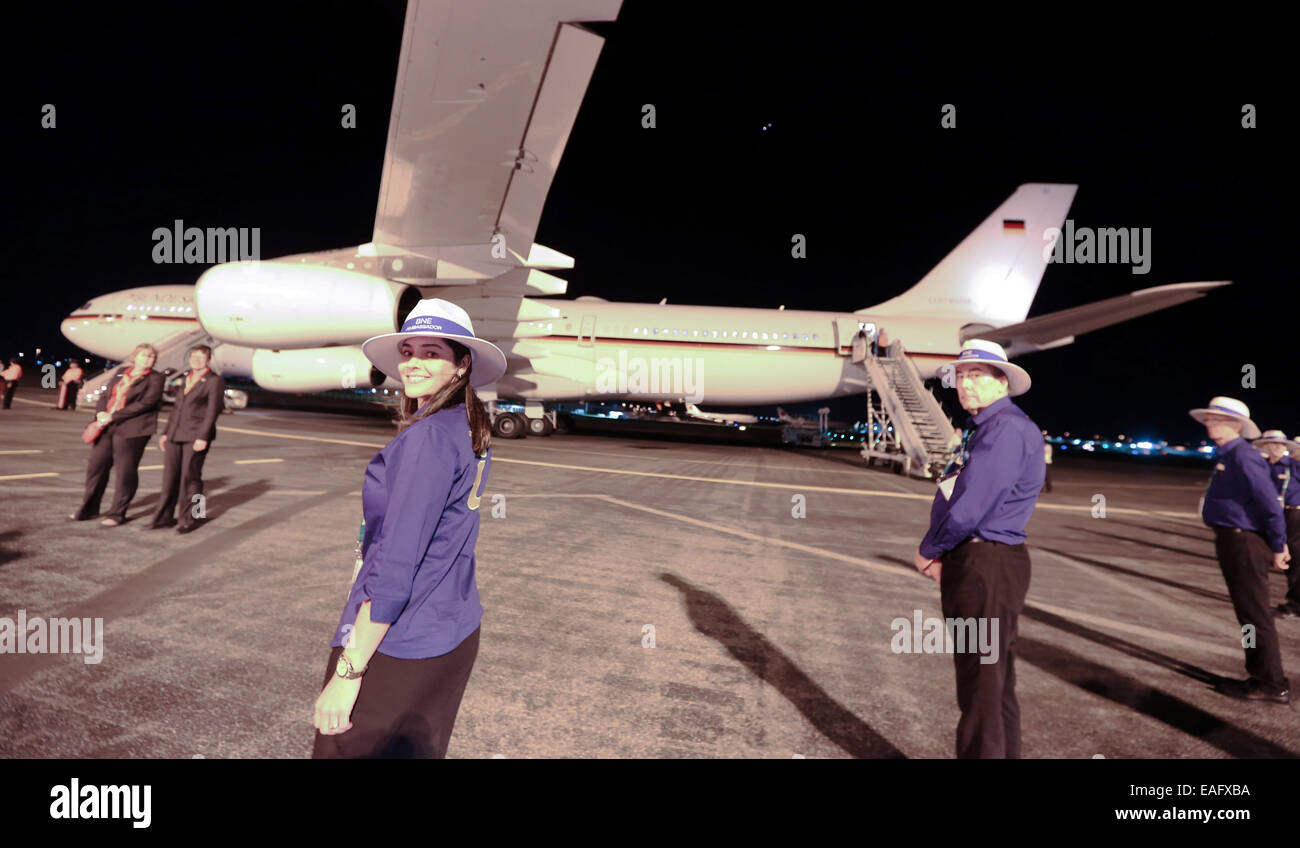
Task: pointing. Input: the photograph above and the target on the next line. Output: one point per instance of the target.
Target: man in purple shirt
(1285, 471)
(975, 547)
(1242, 507)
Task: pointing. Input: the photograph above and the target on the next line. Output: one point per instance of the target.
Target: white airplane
(486, 95)
(720, 417)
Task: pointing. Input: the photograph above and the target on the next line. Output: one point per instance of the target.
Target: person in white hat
(1285, 470)
(411, 622)
(975, 548)
(1242, 507)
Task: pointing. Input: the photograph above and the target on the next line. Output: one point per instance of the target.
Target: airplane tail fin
(993, 275)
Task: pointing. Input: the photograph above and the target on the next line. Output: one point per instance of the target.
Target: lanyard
(962, 456)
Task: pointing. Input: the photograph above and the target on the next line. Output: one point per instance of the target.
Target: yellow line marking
(798, 487)
(150, 467)
(22, 451)
(26, 476)
(252, 461)
(302, 438)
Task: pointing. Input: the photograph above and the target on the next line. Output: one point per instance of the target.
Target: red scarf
(117, 398)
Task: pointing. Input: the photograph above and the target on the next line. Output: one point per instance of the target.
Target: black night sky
(228, 115)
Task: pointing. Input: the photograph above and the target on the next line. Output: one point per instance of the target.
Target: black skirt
(405, 709)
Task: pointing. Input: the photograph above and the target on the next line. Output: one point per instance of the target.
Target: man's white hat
(1276, 437)
(985, 352)
(1231, 407)
(444, 320)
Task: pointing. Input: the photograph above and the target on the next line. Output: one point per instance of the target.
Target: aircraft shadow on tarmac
(1129, 692)
(713, 617)
(1119, 569)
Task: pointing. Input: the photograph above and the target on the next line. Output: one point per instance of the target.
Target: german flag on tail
(1013, 227)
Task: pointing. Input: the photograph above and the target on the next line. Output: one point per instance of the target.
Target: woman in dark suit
(190, 431)
(128, 409)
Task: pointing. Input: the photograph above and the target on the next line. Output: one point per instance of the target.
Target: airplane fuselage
(597, 348)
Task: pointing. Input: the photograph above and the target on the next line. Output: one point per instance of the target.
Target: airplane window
(745, 334)
(695, 332)
(765, 336)
(656, 331)
(785, 335)
(733, 334)
(805, 337)
(814, 337)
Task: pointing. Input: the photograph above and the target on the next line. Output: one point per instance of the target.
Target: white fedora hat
(1232, 408)
(985, 352)
(1275, 437)
(442, 319)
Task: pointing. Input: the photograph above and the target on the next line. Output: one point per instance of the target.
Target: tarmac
(642, 598)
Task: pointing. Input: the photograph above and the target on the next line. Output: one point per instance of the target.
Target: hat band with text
(976, 353)
(433, 323)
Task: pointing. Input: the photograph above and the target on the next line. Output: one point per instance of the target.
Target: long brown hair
(457, 390)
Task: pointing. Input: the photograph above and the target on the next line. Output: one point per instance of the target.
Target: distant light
(1106, 445)
(742, 426)
(1075, 442)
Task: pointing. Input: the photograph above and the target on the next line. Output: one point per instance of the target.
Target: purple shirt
(997, 489)
(1242, 495)
(420, 500)
(1286, 476)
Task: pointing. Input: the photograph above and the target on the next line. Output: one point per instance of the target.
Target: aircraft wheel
(539, 427)
(507, 426)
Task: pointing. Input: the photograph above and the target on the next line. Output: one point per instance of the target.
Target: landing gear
(509, 425)
(540, 427)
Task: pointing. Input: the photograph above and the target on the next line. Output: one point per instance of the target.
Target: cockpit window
(85, 305)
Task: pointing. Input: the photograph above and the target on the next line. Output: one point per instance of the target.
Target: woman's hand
(334, 706)
(200, 444)
(103, 417)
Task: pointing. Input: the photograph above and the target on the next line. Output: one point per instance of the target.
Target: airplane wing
(1061, 327)
(487, 92)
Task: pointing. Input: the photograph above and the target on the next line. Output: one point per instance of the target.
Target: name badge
(947, 485)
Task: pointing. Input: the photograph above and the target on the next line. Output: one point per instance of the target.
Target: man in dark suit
(190, 431)
(128, 412)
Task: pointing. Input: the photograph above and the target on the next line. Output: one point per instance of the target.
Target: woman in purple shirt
(408, 636)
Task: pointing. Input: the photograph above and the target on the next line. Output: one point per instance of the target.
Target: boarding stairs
(905, 423)
(172, 353)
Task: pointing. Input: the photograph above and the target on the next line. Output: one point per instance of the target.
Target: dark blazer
(139, 417)
(194, 416)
